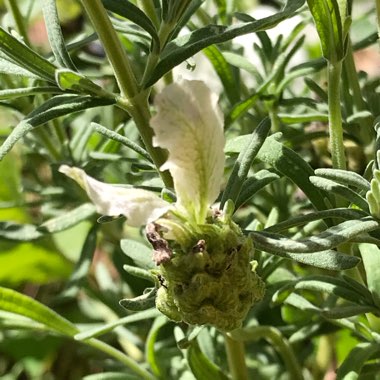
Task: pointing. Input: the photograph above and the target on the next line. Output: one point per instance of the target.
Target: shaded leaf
(68, 219)
(23, 56)
(351, 367)
(186, 46)
(17, 303)
(131, 12)
(57, 42)
(58, 106)
(138, 252)
(201, 366)
(244, 162)
(136, 317)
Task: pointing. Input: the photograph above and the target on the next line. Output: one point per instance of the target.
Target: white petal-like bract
(189, 124)
(137, 205)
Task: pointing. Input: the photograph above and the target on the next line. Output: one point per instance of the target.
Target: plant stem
(275, 337)
(121, 357)
(131, 100)
(236, 358)
(141, 115)
(113, 47)
(378, 16)
(13, 8)
(335, 116)
(163, 34)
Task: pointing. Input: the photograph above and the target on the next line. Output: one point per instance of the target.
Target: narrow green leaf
(343, 213)
(254, 184)
(304, 333)
(286, 161)
(55, 107)
(239, 109)
(319, 283)
(19, 232)
(244, 162)
(25, 57)
(131, 12)
(362, 290)
(70, 80)
(353, 363)
(83, 265)
(330, 285)
(111, 376)
(140, 273)
(344, 177)
(151, 356)
(17, 303)
(304, 118)
(140, 303)
(331, 260)
(186, 46)
(136, 317)
(55, 36)
(301, 303)
(68, 219)
(224, 72)
(121, 139)
(343, 191)
(27, 91)
(138, 252)
(8, 67)
(326, 240)
(243, 63)
(329, 23)
(343, 311)
(319, 91)
(201, 366)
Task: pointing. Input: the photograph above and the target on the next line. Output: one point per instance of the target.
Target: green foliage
(298, 213)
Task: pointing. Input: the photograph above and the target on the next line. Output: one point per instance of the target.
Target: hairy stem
(120, 357)
(18, 18)
(280, 343)
(335, 116)
(112, 46)
(236, 358)
(132, 100)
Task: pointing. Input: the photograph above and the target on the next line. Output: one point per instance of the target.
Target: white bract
(189, 124)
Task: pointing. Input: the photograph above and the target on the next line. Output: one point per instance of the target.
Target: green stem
(18, 19)
(274, 119)
(46, 141)
(141, 115)
(153, 57)
(121, 357)
(113, 47)
(378, 16)
(335, 116)
(353, 79)
(275, 337)
(236, 358)
(366, 131)
(131, 100)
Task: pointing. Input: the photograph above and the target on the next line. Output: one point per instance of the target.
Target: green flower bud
(373, 195)
(211, 280)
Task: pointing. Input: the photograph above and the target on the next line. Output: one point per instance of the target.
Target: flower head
(204, 258)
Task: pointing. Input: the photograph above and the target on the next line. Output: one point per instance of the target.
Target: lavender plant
(220, 234)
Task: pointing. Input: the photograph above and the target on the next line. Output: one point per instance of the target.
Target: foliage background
(54, 248)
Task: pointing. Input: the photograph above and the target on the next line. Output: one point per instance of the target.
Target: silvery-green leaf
(137, 205)
(189, 124)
